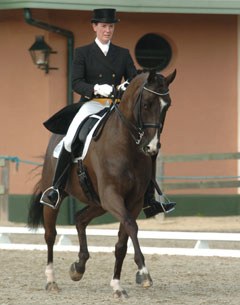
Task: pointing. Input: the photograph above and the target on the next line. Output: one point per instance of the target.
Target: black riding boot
(52, 195)
(151, 206)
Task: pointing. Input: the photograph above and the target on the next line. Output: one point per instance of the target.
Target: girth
(86, 183)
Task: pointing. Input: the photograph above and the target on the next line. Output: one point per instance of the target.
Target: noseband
(139, 128)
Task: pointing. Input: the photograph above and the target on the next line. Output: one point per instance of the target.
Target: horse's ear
(151, 76)
(170, 78)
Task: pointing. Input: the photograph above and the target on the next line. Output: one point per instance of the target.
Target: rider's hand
(104, 90)
(123, 86)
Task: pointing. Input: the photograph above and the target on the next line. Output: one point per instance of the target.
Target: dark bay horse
(120, 168)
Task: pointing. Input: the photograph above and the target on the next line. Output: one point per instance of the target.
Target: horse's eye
(145, 106)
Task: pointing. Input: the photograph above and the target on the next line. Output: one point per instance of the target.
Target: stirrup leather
(166, 200)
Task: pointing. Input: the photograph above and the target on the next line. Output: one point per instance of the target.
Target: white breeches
(87, 109)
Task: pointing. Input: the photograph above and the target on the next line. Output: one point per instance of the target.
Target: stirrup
(48, 204)
(167, 201)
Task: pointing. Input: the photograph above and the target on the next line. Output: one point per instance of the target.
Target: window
(153, 51)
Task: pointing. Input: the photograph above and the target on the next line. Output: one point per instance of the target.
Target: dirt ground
(201, 224)
(177, 280)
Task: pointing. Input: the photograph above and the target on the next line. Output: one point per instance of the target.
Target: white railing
(201, 247)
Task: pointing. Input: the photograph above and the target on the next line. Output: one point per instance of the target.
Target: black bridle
(139, 128)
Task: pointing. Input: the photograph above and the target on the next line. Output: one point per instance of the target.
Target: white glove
(123, 86)
(104, 90)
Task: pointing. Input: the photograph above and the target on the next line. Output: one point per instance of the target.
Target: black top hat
(104, 15)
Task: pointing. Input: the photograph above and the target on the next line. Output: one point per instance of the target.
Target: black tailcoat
(90, 67)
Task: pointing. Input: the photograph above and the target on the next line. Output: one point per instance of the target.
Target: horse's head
(143, 109)
(151, 108)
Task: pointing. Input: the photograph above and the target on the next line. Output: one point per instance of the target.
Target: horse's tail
(35, 213)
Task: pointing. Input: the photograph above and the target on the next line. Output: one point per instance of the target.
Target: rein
(139, 129)
(131, 126)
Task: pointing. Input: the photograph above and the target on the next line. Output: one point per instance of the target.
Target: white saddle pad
(88, 109)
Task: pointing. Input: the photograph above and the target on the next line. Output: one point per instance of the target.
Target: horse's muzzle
(151, 150)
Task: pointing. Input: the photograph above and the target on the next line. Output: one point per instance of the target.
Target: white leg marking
(143, 271)
(49, 272)
(144, 278)
(115, 284)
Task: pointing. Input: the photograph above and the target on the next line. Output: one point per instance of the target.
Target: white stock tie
(105, 49)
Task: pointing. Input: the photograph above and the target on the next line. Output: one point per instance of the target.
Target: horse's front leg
(142, 276)
(120, 253)
(50, 217)
(128, 222)
(83, 217)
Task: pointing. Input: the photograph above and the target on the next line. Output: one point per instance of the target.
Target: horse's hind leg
(83, 218)
(50, 217)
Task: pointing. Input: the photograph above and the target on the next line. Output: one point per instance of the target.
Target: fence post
(4, 188)
(160, 170)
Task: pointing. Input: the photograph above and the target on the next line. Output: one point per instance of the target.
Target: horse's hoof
(74, 274)
(52, 287)
(144, 280)
(120, 294)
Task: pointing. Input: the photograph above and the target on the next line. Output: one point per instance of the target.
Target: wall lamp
(40, 53)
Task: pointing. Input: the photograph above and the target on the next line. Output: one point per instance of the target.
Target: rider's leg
(151, 206)
(52, 195)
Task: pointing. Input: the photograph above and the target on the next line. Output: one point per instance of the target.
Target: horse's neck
(118, 134)
(127, 109)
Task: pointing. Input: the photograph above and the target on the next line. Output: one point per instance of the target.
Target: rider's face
(104, 31)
